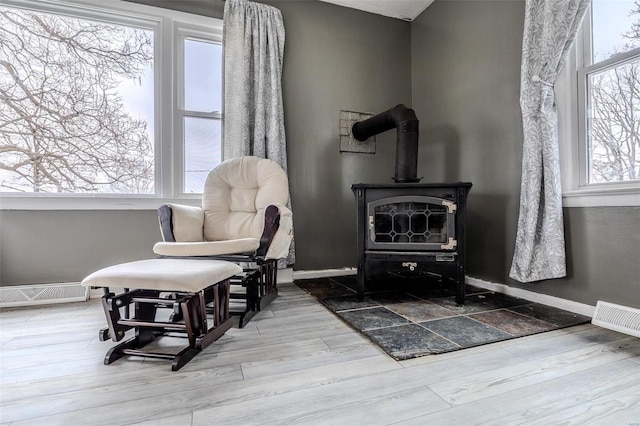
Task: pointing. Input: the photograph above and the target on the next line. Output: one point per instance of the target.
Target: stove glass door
(411, 223)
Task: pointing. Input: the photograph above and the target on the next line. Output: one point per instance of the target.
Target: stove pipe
(405, 121)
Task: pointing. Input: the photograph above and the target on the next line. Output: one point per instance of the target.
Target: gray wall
(466, 80)
(65, 246)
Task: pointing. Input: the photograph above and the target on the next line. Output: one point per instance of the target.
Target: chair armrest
(166, 228)
(180, 223)
(278, 232)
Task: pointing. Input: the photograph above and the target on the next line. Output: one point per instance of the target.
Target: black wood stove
(408, 228)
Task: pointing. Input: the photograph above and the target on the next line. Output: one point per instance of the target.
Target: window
(200, 113)
(598, 97)
(108, 104)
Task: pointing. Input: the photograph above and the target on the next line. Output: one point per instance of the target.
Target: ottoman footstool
(189, 290)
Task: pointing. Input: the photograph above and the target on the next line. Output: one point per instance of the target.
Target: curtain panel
(550, 28)
(253, 116)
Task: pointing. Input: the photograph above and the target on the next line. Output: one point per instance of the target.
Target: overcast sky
(611, 19)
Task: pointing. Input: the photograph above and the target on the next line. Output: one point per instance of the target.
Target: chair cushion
(190, 275)
(187, 222)
(236, 194)
(207, 248)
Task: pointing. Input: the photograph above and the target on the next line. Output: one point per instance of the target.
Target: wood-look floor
(295, 363)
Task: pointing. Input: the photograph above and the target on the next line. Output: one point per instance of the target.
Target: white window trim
(168, 167)
(575, 193)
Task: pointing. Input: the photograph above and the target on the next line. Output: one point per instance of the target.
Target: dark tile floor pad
(408, 318)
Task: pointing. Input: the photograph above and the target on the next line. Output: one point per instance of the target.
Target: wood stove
(408, 228)
(411, 229)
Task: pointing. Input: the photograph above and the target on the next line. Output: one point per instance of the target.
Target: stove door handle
(372, 231)
(411, 265)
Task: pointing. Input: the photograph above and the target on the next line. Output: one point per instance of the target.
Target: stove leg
(360, 283)
(460, 291)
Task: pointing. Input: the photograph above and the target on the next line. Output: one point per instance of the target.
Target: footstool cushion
(190, 275)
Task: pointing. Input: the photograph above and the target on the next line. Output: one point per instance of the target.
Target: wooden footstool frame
(189, 317)
(180, 287)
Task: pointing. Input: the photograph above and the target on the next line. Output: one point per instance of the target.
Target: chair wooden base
(243, 314)
(188, 319)
(260, 290)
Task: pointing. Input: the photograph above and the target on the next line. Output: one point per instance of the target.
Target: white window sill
(601, 197)
(55, 202)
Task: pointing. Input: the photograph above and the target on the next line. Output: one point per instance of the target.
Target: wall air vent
(617, 317)
(42, 294)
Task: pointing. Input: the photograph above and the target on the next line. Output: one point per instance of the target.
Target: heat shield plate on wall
(347, 142)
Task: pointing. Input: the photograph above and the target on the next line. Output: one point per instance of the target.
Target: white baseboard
(285, 275)
(545, 299)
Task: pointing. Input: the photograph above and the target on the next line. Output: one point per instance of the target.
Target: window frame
(169, 174)
(571, 102)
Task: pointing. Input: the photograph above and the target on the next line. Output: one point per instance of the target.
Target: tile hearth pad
(409, 318)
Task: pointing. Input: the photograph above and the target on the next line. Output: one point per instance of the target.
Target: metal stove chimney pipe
(405, 121)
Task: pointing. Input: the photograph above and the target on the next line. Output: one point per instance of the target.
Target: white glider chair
(243, 219)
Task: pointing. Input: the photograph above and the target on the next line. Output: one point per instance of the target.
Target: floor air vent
(42, 294)
(617, 317)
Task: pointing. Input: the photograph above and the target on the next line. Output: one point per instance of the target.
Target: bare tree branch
(614, 116)
(63, 122)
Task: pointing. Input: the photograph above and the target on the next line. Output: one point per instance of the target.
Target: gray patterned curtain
(253, 55)
(253, 117)
(550, 29)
